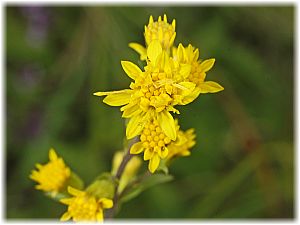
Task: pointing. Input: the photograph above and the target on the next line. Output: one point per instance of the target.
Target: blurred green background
(243, 163)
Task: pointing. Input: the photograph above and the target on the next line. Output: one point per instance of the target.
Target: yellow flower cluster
(172, 76)
(52, 176)
(84, 207)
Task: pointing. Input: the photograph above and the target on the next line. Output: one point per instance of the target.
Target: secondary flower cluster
(57, 180)
(172, 76)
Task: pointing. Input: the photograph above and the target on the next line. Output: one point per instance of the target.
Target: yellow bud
(152, 144)
(161, 143)
(146, 132)
(161, 136)
(152, 127)
(167, 140)
(153, 133)
(146, 144)
(143, 137)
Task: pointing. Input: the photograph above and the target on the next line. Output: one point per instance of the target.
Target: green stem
(110, 213)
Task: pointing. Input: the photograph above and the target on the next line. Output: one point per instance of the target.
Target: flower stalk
(126, 158)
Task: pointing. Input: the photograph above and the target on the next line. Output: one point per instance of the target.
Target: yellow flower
(181, 147)
(154, 92)
(84, 207)
(199, 68)
(153, 142)
(159, 30)
(52, 176)
(130, 170)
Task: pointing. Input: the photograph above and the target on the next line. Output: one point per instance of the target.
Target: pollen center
(153, 137)
(158, 95)
(83, 208)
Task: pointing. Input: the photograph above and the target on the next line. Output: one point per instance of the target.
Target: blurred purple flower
(38, 22)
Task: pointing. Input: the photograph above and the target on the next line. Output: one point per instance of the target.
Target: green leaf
(75, 181)
(103, 186)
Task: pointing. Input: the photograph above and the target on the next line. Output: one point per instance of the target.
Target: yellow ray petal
(66, 216)
(174, 24)
(118, 99)
(133, 110)
(191, 97)
(74, 191)
(132, 70)
(210, 87)
(38, 165)
(99, 215)
(167, 124)
(135, 126)
(102, 93)
(148, 154)
(196, 54)
(106, 203)
(66, 201)
(154, 163)
(136, 148)
(180, 53)
(154, 50)
(172, 38)
(52, 155)
(186, 153)
(151, 19)
(206, 65)
(139, 49)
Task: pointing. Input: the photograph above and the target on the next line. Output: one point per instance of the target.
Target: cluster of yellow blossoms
(172, 76)
(52, 176)
(57, 180)
(84, 207)
(55, 177)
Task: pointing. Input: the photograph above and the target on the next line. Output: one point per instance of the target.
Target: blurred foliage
(243, 163)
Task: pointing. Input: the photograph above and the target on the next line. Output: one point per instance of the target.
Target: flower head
(84, 207)
(154, 92)
(153, 142)
(159, 30)
(199, 68)
(181, 147)
(170, 78)
(52, 176)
